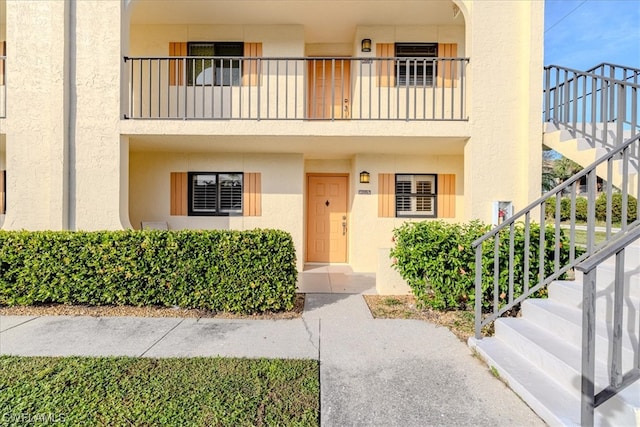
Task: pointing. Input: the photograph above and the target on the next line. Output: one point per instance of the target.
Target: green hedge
(232, 271)
(616, 208)
(437, 261)
(601, 208)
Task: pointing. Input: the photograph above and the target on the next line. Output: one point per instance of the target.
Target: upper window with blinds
(223, 71)
(416, 196)
(415, 65)
(212, 193)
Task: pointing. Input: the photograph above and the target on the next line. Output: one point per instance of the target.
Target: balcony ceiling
(319, 17)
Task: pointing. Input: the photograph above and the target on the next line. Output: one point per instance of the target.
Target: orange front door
(327, 218)
(329, 89)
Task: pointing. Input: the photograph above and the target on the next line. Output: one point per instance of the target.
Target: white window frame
(412, 198)
(217, 206)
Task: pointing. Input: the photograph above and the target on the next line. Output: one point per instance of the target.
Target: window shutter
(446, 196)
(447, 70)
(252, 205)
(176, 66)
(3, 191)
(251, 68)
(386, 195)
(179, 193)
(385, 69)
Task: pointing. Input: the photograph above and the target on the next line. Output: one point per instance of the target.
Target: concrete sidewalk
(372, 372)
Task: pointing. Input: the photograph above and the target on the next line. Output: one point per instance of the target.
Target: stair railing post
(547, 94)
(621, 114)
(588, 349)
(478, 301)
(615, 375)
(591, 210)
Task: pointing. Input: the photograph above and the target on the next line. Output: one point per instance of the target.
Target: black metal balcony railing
(243, 88)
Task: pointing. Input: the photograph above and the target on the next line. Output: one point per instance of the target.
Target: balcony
(303, 89)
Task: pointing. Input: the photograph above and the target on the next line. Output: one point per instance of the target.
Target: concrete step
(566, 323)
(561, 361)
(606, 273)
(570, 293)
(556, 405)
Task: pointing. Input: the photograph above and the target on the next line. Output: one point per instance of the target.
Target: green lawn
(119, 391)
(581, 237)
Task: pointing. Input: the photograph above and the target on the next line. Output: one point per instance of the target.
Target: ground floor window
(416, 195)
(215, 193)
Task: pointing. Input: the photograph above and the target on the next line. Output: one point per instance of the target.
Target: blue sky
(581, 34)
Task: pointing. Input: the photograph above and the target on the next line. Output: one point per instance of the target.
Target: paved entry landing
(328, 279)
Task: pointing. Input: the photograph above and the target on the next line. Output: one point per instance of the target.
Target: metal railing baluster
(179, 87)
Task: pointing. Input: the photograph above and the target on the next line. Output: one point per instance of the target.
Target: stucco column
(37, 113)
(100, 156)
(503, 156)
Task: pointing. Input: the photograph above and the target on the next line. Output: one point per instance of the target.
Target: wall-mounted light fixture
(364, 177)
(366, 45)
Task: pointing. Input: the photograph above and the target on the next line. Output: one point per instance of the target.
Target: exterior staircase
(587, 114)
(574, 357)
(539, 353)
(584, 150)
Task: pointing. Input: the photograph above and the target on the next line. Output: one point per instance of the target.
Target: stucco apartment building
(336, 121)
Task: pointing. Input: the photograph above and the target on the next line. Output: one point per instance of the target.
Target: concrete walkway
(373, 372)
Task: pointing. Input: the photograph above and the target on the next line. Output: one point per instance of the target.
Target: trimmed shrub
(437, 261)
(616, 208)
(565, 209)
(218, 270)
(581, 208)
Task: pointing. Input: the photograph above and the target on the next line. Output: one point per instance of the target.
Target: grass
(581, 237)
(460, 322)
(114, 391)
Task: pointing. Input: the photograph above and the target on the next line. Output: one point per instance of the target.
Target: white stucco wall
(371, 233)
(503, 160)
(63, 141)
(37, 113)
(284, 193)
(282, 190)
(98, 162)
(69, 155)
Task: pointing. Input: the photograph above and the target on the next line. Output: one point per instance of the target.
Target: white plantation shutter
(415, 195)
(425, 204)
(230, 193)
(403, 194)
(204, 193)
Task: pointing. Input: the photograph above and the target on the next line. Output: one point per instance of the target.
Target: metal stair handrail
(615, 70)
(623, 154)
(600, 108)
(618, 380)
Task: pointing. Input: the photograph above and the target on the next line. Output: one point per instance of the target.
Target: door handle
(344, 225)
